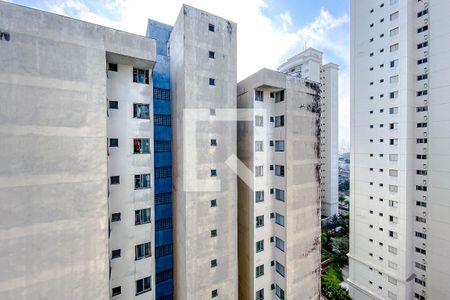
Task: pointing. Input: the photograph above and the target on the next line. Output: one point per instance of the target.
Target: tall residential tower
(400, 163)
(309, 65)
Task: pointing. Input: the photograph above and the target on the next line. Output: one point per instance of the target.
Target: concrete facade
(399, 246)
(54, 189)
(203, 79)
(308, 64)
(279, 212)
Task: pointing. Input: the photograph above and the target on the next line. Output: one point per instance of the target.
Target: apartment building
(279, 206)
(162, 161)
(399, 245)
(308, 64)
(203, 95)
(78, 100)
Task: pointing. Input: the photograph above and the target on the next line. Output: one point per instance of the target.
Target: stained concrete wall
(301, 207)
(191, 68)
(53, 171)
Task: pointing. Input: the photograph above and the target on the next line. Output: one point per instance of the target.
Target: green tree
(341, 198)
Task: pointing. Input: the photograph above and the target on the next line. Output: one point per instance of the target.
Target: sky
(269, 31)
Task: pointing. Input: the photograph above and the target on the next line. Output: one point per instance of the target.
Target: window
(211, 28)
(393, 250)
(213, 172)
(116, 291)
(163, 276)
(113, 104)
(394, 16)
(114, 180)
(212, 81)
(279, 194)
(422, 125)
(113, 142)
(279, 121)
(141, 146)
(142, 216)
(163, 198)
(421, 108)
(212, 54)
(393, 110)
(143, 251)
(214, 293)
(279, 96)
(143, 285)
(394, 63)
(421, 172)
(163, 146)
(259, 196)
(393, 126)
(393, 2)
(393, 173)
(419, 281)
(163, 224)
(421, 156)
(393, 219)
(393, 95)
(214, 233)
(279, 146)
(422, 13)
(420, 219)
(259, 146)
(259, 171)
(141, 181)
(394, 31)
(394, 47)
(213, 142)
(112, 67)
(420, 203)
(115, 217)
(392, 265)
(213, 203)
(161, 94)
(393, 188)
(115, 253)
(393, 142)
(421, 251)
(422, 45)
(421, 235)
(279, 170)
(280, 269)
(260, 295)
(279, 219)
(393, 234)
(279, 292)
(422, 61)
(141, 111)
(213, 263)
(422, 77)
(140, 76)
(163, 250)
(420, 266)
(259, 121)
(259, 271)
(259, 221)
(259, 96)
(162, 120)
(279, 243)
(393, 79)
(259, 246)
(422, 29)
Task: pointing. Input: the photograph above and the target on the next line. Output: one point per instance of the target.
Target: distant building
(308, 65)
(279, 208)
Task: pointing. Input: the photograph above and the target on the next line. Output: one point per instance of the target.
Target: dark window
(163, 276)
(116, 291)
(141, 146)
(214, 294)
(279, 194)
(143, 285)
(163, 250)
(213, 142)
(143, 251)
(161, 94)
(279, 146)
(141, 181)
(213, 173)
(279, 121)
(115, 253)
(163, 120)
(113, 104)
(140, 76)
(212, 54)
(214, 233)
(163, 172)
(112, 67)
(115, 179)
(141, 111)
(213, 203)
(163, 224)
(259, 196)
(279, 170)
(163, 146)
(213, 263)
(115, 217)
(211, 28)
(212, 81)
(163, 198)
(142, 216)
(260, 295)
(279, 96)
(114, 142)
(259, 271)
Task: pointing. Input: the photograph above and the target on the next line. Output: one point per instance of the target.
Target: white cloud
(262, 42)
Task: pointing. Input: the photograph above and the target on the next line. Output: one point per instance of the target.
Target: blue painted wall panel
(163, 237)
(163, 159)
(164, 263)
(161, 107)
(163, 211)
(163, 133)
(164, 288)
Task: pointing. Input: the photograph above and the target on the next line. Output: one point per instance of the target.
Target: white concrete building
(400, 166)
(309, 65)
(58, 186)
(279, 207)
(203, 90)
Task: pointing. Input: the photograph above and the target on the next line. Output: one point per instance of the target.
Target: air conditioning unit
(425, 101)
(424, 261)
(425, 134)
(425, 20)
(425, 85)
(425, 4)
(424, 198)
(425, 117)
(425, 149)
(424, 213)
(424, 229)
(424, 166)
(425, 69)
(424, 182)
(425, 37)
(424, 245)
(425, 52)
